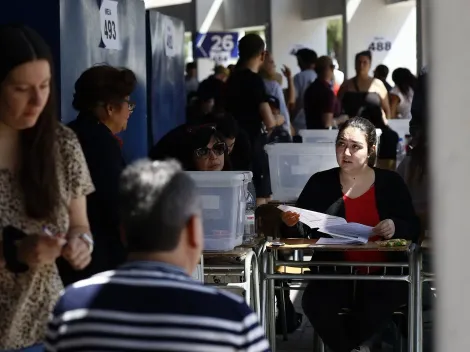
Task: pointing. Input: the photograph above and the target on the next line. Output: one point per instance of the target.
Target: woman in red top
(359, 193)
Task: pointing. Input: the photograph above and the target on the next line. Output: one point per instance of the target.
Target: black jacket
(105, 161)
(323, 194)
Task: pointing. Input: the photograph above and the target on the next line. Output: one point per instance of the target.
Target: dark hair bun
(102, 84)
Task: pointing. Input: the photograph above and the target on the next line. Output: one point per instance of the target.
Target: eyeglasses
(131, 105)
(218, 149)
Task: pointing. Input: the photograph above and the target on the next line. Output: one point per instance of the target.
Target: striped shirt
(149, 306)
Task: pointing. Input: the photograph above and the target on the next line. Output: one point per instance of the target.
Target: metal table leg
(264, 290)
(255, 284)
(248, 275)
(418, 279)
(412, 301)
(271, 303)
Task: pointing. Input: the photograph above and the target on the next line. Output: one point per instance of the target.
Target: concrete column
(201, 11)
(373, 21)
(423, 42)
(450, 169)
(287, 29)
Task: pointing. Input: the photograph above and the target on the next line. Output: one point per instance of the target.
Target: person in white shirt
(306, 59)
(401, 96)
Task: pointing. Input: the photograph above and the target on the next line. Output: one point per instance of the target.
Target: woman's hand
(77, 253)
(37, 250)
(286, 72)
(290, 218)
(385, 229)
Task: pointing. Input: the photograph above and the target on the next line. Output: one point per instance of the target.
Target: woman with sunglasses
(102, 98)
(205, 150)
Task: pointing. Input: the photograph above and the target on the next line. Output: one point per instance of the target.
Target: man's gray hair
(156, 201)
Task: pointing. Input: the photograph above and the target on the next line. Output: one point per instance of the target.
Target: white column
(207, 18)
(289, 29)
(450, 169)
(423, 43)
(368, 20)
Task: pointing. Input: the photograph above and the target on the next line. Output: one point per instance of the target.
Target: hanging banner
(119, 27)
(218, 46)
(167, 92)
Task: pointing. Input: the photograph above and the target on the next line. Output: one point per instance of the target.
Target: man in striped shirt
(151, 303)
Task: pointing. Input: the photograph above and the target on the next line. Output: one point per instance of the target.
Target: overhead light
(150, 4)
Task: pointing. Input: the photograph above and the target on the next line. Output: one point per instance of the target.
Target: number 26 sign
(109, 25)
(380, 44)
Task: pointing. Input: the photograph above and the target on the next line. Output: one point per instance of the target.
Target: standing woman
(44, 182)
(102, 98)
(364, 95)
(401, 96)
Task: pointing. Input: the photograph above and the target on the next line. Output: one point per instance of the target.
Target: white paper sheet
(333, 241)
(357, 232)
(313, 219)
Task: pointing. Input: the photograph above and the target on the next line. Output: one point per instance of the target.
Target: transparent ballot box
(223, 197)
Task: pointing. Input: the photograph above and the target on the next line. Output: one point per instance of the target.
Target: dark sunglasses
(218, 149)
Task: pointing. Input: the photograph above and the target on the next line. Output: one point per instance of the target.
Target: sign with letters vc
(218, 46)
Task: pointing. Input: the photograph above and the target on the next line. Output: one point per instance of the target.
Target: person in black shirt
(214, 87)
(319, 100)
(381, 72)
(237, 141)
(245, 99)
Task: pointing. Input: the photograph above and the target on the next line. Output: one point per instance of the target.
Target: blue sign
(218, 46)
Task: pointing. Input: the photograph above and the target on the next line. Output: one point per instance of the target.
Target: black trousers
(371, 304)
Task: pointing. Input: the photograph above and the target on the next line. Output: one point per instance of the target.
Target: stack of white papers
(338, 228)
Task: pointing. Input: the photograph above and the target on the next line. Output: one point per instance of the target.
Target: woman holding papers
(361, 194)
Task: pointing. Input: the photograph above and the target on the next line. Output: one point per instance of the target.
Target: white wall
(288, 29)
(368, 19)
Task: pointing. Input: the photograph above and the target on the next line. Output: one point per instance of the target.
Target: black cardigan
(323, 194)
(106, 163)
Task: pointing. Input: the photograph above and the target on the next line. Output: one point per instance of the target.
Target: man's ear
(194, 231)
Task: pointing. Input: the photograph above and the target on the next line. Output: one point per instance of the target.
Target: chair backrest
(268, 220)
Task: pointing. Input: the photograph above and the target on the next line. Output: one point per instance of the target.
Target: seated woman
(362, 194)
(204, 149)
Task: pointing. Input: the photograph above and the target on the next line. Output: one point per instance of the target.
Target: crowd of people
(127, 238)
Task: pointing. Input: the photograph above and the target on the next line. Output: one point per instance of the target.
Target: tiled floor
(302, 339)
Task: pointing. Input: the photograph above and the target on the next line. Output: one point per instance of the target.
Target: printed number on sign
(222, 43)
(109, 25)
(380, 46)
(110, 29)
